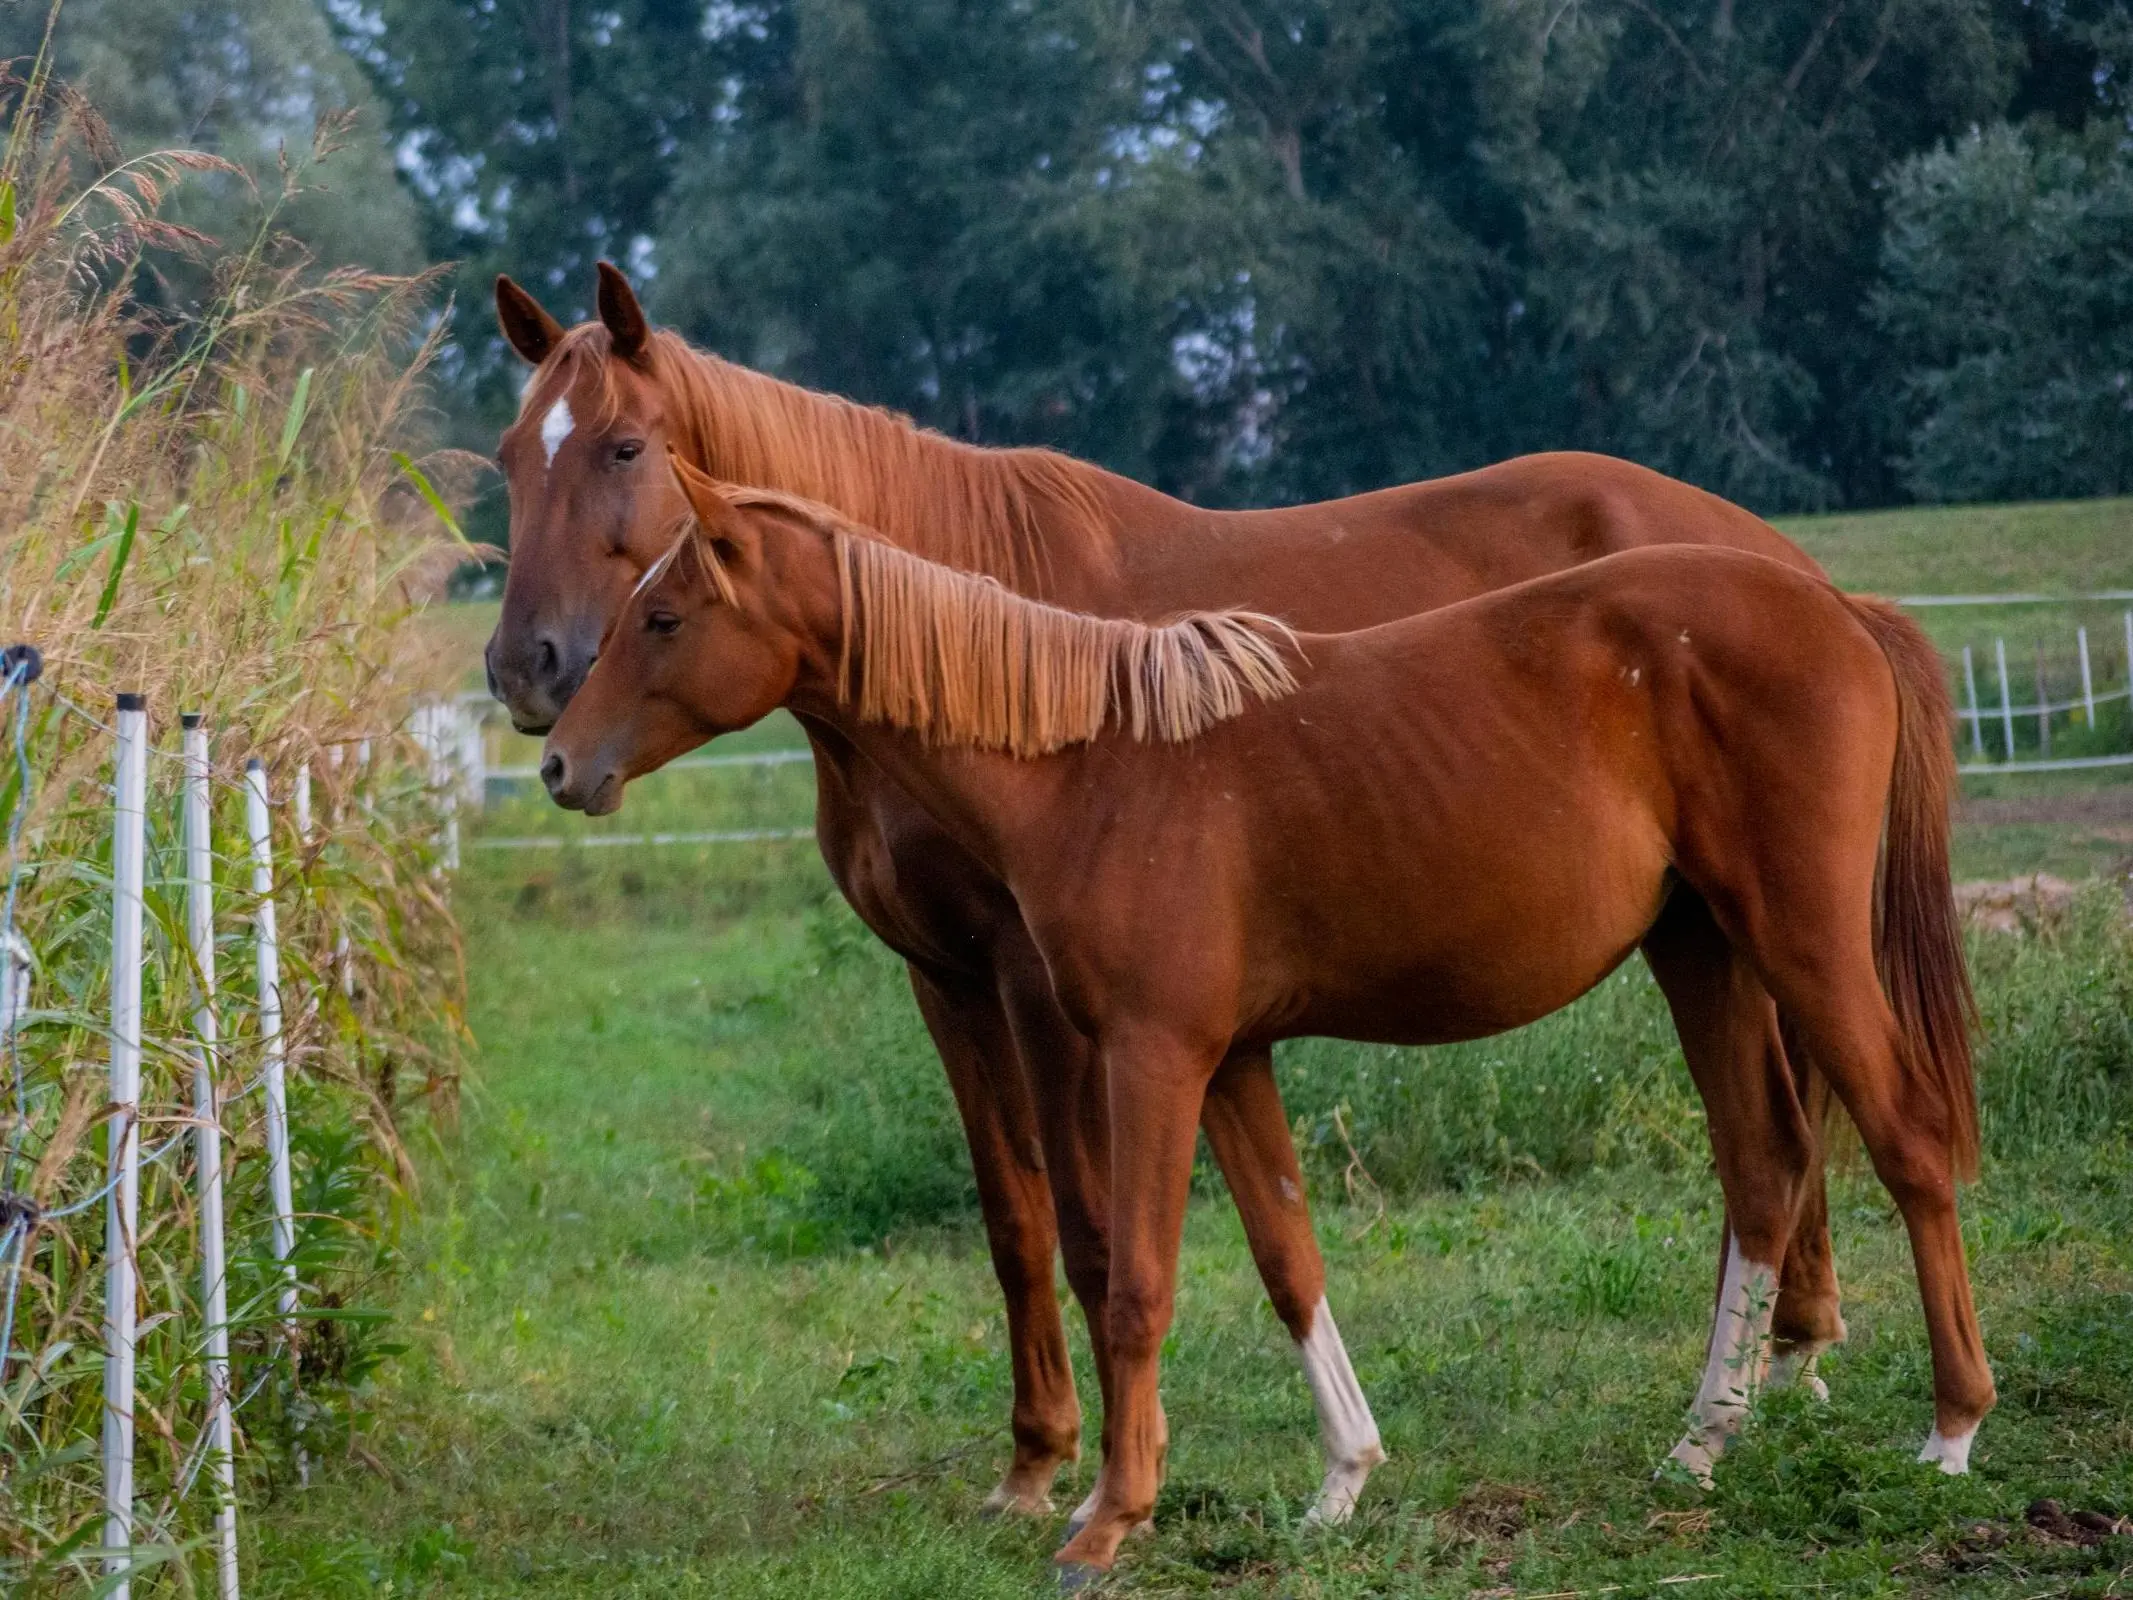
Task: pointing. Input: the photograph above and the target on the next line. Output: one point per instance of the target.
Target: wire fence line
(39, 1150)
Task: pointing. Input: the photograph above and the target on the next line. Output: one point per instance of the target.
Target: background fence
(2060, 700)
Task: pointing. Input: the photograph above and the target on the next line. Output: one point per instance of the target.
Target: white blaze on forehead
(1346, 1428)
(555, 428)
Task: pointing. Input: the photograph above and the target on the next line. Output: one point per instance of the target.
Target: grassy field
(696, 1302)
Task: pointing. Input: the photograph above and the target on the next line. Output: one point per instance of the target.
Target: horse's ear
(732, 532)
(530, 330)
(627, 329)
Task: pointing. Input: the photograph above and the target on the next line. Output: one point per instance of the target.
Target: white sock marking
(1738, 1359)
(1349, 1432)
(1951, 1455)
(555, 428)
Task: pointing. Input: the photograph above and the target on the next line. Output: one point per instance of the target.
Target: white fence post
(2044, 706)
(473, 758)
(2088, 683)
(1999, 651)
(270, 1040)
(434, 736)
(1977, 720)
(207, 1143)
(303, 802)
(122, 1205)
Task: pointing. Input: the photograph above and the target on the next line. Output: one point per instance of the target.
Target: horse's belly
(1458, 946)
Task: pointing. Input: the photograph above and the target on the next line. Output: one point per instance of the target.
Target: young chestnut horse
(1220, 833)
(593, 506)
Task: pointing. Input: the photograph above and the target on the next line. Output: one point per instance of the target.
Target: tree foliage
(249, 81)
(1274, 249)
(2008, 298)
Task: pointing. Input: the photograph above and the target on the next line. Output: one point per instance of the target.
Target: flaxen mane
(975, 508)
(959, 659)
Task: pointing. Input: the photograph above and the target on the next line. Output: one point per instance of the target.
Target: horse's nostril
(548, 661)
(552, 771)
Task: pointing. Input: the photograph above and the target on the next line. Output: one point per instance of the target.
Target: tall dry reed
(215, 509)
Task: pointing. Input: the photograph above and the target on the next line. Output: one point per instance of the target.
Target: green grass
(698, 1306)
(2057, 547)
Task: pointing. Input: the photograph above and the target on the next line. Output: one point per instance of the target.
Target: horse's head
(716, 635)
(593, 503)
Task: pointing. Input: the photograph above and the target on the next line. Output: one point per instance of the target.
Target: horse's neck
(1095, 538)
(982, 799)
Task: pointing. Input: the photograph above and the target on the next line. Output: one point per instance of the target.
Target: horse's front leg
(1157, 1081)
(990, 1087)
(1249, 1133)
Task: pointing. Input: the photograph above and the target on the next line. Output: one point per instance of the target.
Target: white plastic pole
(303, 802)
(430, 731)
(270, 1040)
(122, 1206)
(473, 760)
(2129, 657)
(1999, 650)
(1977, 719)
(207, 1143)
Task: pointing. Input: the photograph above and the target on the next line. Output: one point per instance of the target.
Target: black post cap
(21, 662)
(191, 719)
(133, 702)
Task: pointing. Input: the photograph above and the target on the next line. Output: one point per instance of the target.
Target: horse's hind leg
(985, 1073)
(1764, 1149)
(1906, 1127)
(1249, 1133)
(1808, 1319)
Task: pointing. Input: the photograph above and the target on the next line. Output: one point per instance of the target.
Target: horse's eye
(627, 451)
(662, 623)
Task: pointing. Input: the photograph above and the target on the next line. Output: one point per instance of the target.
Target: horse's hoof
(1692, 1456)
(1004, 1502)
(1077, 1577)
(1341, 1488)
(1952, 1456)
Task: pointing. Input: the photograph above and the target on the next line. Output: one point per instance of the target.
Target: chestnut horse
(593, 505)
(1221, 834)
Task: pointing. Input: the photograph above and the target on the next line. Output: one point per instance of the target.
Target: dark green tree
(2008, 305)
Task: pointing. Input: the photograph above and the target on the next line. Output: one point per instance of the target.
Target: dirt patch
(2015, 905)
(1489, 1512)
(2051, 1521)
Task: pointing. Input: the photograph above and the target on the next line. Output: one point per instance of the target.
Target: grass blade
(428, 491)
(118, 564)
(293, 423)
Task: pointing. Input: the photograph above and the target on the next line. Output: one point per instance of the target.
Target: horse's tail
(1920, 950)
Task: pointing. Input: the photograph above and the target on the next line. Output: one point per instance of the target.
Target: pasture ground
(696, 1302)
(696, 1305)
